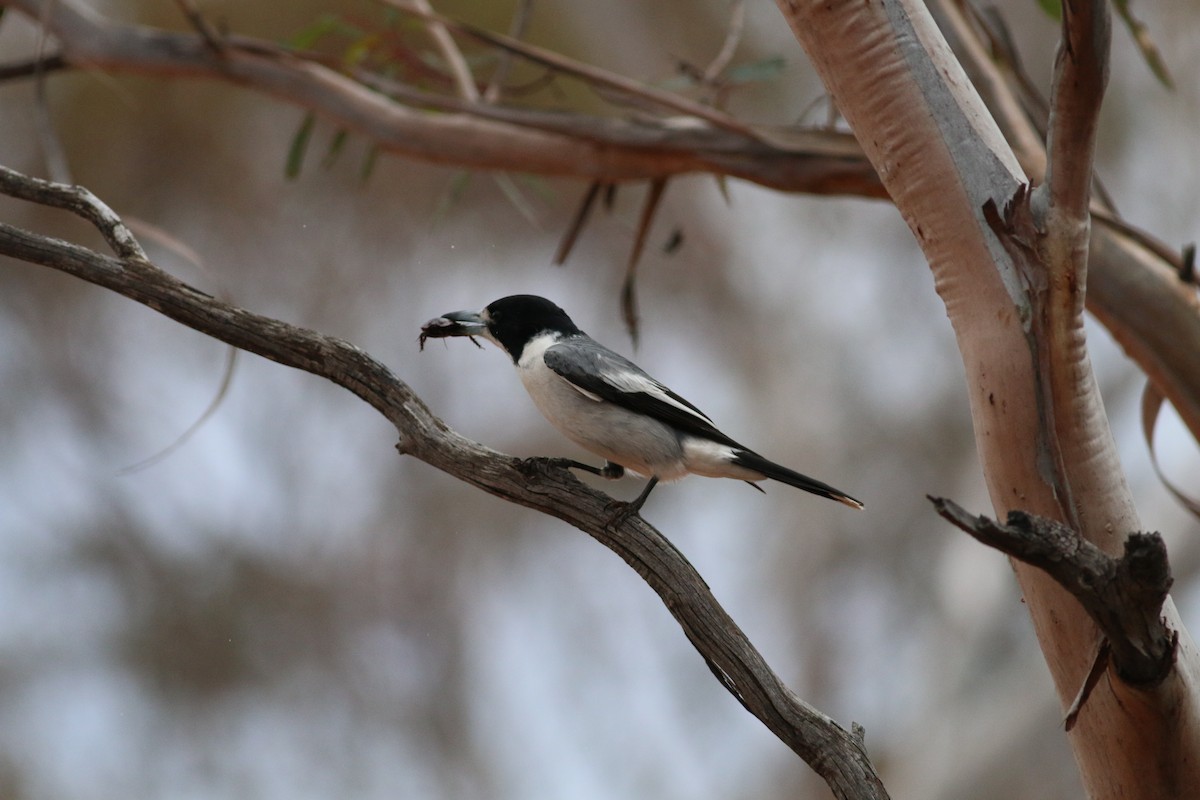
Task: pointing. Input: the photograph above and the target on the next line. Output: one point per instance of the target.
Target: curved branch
(836, 754)
(1080, 77)
(470, 135)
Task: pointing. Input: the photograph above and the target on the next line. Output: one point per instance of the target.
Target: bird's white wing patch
(633, 382)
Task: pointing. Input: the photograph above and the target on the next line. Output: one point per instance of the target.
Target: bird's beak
(455, 323)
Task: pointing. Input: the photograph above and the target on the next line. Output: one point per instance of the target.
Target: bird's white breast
(634, 441)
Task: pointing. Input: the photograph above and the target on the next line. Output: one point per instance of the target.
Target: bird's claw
(621, 512)
(534, 464)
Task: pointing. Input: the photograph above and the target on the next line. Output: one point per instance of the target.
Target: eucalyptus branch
(1080, 77)
(836, 754)
(467, 135)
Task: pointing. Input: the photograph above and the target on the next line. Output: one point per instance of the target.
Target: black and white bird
(610, 406)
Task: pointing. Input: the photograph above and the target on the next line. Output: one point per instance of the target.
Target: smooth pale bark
(1039, 422)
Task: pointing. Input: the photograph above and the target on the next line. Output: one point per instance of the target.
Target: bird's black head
(512, 321)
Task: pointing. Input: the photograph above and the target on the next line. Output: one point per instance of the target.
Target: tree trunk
(1013, 283)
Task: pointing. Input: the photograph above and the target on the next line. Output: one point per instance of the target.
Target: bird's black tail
(754, 461)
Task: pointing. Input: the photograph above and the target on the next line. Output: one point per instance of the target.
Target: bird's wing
(599, 373)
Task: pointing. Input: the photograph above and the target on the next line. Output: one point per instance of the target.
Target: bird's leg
(627, 510)
(610, 470)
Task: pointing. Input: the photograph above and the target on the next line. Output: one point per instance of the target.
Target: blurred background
(282, 607)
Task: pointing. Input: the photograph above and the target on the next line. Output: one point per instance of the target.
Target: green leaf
(335, 148)
(1051, 8)
(1141, 37)
(368, 164)
(295, 156)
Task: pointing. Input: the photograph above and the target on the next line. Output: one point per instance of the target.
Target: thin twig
(516, 30)
(629, 307)
(450, 52)
(597, 78)
(733, 37)
(78, 200)
(577, 222)
(211, 36)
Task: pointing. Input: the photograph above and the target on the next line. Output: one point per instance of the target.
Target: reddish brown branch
(1080, 77)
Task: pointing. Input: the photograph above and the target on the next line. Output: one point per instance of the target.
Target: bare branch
(34, 67)
(475, 136)
(836, 754)
(516, 29)
(454, 57)
(635, 91)
(577, 222)
(1123, 596)
(629, 307)
(211, 36)
(78, 200)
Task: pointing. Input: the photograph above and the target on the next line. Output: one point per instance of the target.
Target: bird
(610, 406)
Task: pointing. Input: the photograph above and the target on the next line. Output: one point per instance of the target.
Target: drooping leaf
(335, 148)
(1141, 37)
(295, 156)
(368, 163)
(1152, 403)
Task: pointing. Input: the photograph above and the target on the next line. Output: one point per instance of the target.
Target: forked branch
(1123, 596)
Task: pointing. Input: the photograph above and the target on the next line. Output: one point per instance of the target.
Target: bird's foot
(620, 512)
(537, 464)
(626, 510)
(610, 470)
